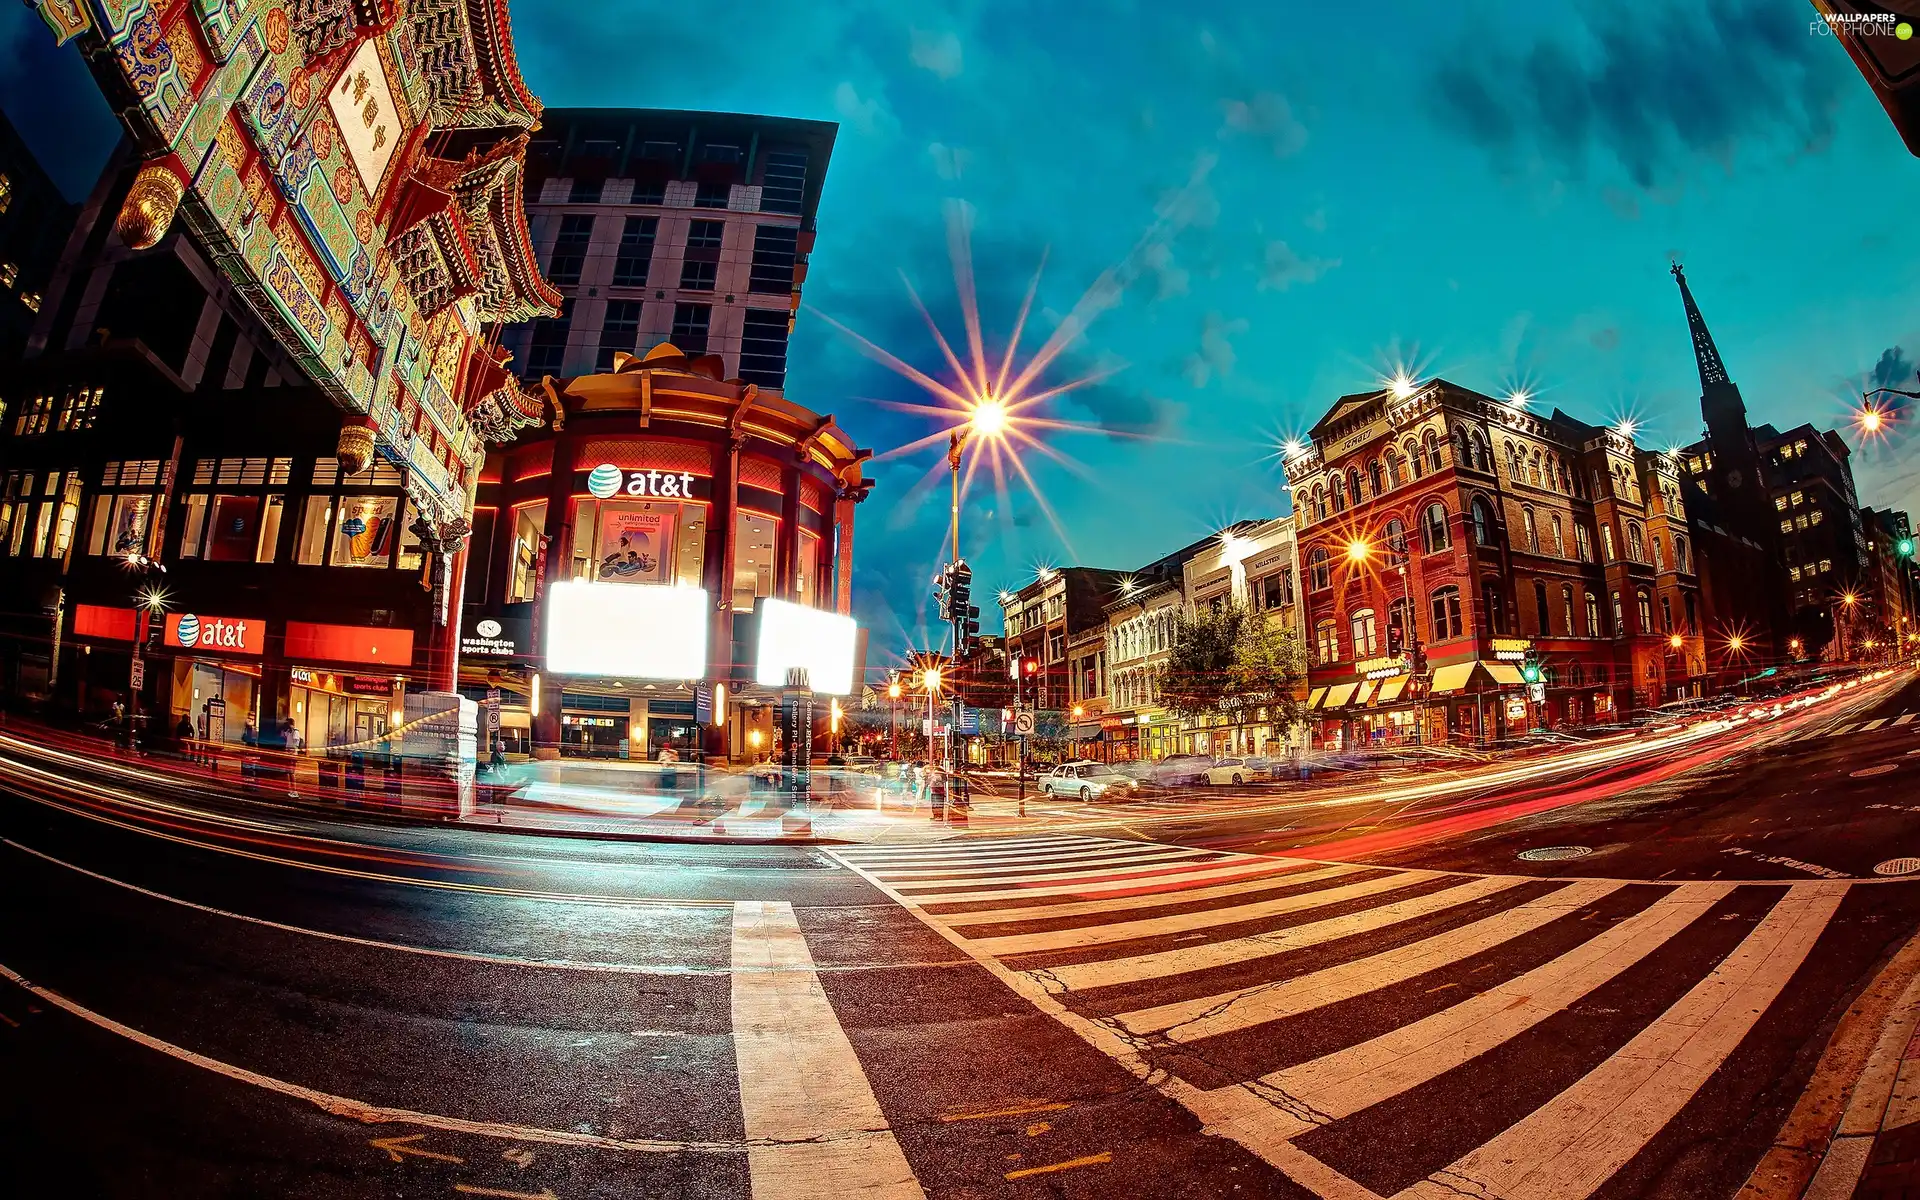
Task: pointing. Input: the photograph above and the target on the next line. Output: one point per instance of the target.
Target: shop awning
(1339, 694)
(1313, 701)
(1084, 732)
(1453, 677)
(1364, 694)
(1390, 689)
(1505, 674)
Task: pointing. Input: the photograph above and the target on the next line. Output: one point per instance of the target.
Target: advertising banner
(635, 547)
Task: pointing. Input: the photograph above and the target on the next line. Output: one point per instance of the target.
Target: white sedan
(1087, 780)
(1238, 770)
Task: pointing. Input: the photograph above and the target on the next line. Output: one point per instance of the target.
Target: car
(1087, 780)
(1238, 770)
(1181, 770)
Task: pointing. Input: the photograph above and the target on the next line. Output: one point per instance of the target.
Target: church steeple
(1705, 354)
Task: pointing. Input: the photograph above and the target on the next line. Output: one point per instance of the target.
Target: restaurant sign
(1512, 649)
(1383, 668)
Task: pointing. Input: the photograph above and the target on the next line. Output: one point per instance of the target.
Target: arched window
(1319, 573)
(1513, 462)
(1666, 614)
(1482, 453)
(1585, 541)
(1659, 552)
(1433, 528)
(1542, 615)
(1432, 445)
(1353, 484)
(1646, 610)
(1619, 617)
(1395, 536)
(1462, 449)
(1413, 459)
(1636, 542)
(1339, 491)
(1593, 615)
(1566, 606)
(1397, 618)
(1606, 542)
(1446, 613)
(1482, 523)
(1533, 469)
(1326, 641)
(1496, 612)
(1559, 538)
(1319, 504)
(1396, 474)
(1680, 553)
(1567, 482)
(1365, 640)
(1376, 477)
(1532, 531)
(1575, 674)
(1303, 506)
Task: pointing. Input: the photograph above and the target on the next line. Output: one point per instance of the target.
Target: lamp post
(893, 706)
(1849, 602)
(930, 680)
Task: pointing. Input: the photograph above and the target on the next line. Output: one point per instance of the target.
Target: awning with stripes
(1339, 694)
(1364, 694)
(1319, 694)
(1390, 689)
(1505, 674)
(1453, 677)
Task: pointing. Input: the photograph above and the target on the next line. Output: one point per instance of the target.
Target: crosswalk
(1378, 1032)
(1853, 728)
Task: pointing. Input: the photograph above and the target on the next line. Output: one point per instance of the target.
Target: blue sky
(1285, 200)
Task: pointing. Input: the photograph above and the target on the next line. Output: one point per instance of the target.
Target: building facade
(658, 226)
(34, 222)
(1058, 608)
(1880, 623)
(1252, 565)
(1451, 544)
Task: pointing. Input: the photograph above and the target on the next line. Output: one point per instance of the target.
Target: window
(1593, 615)
(1413, 459)
(639, 541)
(1339, 491)
(1319, 573)
(234, 507)
(712, 193)
(705, 235)
(9, 272)
(1482, 523)
(1319, 504)
(1659, 553)
(570, 248)
(1276, 590)
(6, 192)
(1780, 503)
(1396, 474)
(529, 528)
(1619, 617)
(547, 347)
(1496, 611)
(1542, 615)
(1376, 478)
(1559, 538)
(1361, 628)
(122, 522)
(1433, 528)
(754, 537)
(1397, 620)
(355, 520)
(775, 250)
(783, 183)
(1693, 617)
(1566, 609)
(79, 409)
(1432, 444)
(690, 327)
(696, 276)
(1606, 541)
(1353, 484)
(36, 417)
(31, 300)
(1786, 526)
(635, 257)
(763, 347)
(1798, 499)
(1532, 532)
(1395, 536)
(586, 191)
(1680, 562)
(1666, 614)
(620, 331)
(1645, 610)
(1446, 614)
(1326, 641)
(1637, 543)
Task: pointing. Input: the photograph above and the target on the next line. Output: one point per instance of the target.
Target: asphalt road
(1374, 998)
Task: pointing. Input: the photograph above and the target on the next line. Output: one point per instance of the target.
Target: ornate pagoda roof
(472, 72)
(487, 187)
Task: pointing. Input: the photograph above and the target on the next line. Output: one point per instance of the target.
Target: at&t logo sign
(190, 631)
(607, 481)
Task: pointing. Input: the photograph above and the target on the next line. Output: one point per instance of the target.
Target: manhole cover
(1555, 853)
(1870, 772)
(1898, 866)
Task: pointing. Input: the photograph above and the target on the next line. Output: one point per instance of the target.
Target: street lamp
(1675, 641)
(893, 706)
(1358, 551)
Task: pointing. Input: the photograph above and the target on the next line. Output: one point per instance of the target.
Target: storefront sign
(1383, 668)
(493, 637)
(593, 722)
(794, 635)
(1516, 708)
(229, 635)
(366, 685)
(606, 481)
(1511, 649)
(349, 643)
(304, 676)
(626, 632)
(106, 624)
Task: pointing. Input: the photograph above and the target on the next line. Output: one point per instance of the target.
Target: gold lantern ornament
(151, 203)
(355, 449)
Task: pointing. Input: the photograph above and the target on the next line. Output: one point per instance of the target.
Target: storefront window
(122, 520)
(364, 534)
(639, 541)
(529, 523)
(1364, 635)
(810, 573)
(231, 517)
(351, 520)
(753, 542)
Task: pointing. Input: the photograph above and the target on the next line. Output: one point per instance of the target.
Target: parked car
(1087, 780)
(1181, 770)
(1239, 770)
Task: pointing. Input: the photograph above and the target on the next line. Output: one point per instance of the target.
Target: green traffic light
(1530, 673)
(1905, 547)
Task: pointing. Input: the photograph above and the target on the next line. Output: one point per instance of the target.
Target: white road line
(1849, 727)
(1342, 1083)
(1576, 1141)
(1040, 871)
(1870, 726)
(1096, 884)
(1243, 1008)
(877, 855)
(1026, 861)
(1115, 904)
(1126, 931)
(1078, 977)
(1903, 718)
(814, 1124)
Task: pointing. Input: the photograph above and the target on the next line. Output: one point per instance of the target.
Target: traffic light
(1530, 671)
(1905, 547)
(1396, 640)
(959, 591)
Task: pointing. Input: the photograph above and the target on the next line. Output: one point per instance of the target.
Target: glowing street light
(893, 690)
(930, 679)
(1736, 643)
(989, 417)
(1849, 599)
(1358, 551)
(1078, 712)
(1870, 419)
(1676, 641)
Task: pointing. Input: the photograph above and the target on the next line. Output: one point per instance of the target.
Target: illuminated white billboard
(793, 635)
(626, 632)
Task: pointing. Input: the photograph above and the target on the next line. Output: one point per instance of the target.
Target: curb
(1824, 1146)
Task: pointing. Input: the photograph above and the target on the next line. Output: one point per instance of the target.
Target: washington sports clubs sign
(226, 635)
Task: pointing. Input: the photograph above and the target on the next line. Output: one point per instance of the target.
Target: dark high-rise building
(34, 220)
(659, 226)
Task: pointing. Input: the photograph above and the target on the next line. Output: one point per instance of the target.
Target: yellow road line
(1018, 1110)
(1091, 1160)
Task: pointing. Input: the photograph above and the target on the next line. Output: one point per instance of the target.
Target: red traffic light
(1032, 665)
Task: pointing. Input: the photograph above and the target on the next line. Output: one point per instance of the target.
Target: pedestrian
(249, 736)
(669, 759)
(183, 733)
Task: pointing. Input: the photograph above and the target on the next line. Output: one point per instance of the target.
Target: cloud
(1171, 278)
(949, 162)
(1282, 267)
(867, 114)
(1316, 220)
(1605, 339)
(1651, 97)
(1894, 370)
(936, 52)
(1269, 117)
(1215, 357)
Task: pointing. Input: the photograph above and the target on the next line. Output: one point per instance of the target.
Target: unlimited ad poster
(635, 547)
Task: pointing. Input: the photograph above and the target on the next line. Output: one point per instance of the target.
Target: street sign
(137, 679)
(493, 710)
(1023, 724)
(969, 719)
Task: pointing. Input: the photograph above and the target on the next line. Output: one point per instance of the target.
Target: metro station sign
(225, 635)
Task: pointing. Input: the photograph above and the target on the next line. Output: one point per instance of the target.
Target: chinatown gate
(354, 169)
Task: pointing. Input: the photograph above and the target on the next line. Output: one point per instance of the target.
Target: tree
(1228, 660)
